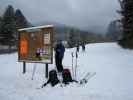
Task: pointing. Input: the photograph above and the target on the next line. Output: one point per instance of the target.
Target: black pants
(58, 62)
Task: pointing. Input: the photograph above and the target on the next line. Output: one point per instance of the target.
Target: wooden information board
(36, 44)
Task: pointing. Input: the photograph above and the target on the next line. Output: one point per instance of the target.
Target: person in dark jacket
(83, 47)
(59, 54)
(77, 48)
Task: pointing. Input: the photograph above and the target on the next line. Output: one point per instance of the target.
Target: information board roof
(38, 27)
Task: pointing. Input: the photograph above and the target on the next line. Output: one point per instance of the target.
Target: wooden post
(46, 71)
(24, 67)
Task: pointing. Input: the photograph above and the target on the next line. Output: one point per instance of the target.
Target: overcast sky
(86, 14)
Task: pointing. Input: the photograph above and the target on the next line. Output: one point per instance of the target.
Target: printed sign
(46, 38)
(23, 47)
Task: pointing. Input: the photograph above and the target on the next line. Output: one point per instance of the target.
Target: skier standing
(83, 47)
(77, 48)
(59, 54)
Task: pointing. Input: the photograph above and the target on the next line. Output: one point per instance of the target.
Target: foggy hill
(62, 32)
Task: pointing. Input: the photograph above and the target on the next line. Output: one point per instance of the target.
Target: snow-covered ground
(113, 80)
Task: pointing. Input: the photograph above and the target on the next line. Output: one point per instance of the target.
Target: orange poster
(24, 48)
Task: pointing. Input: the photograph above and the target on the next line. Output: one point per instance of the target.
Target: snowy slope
(113, 80)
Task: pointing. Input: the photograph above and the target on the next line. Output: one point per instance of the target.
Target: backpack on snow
(66, 75)
(53, 79)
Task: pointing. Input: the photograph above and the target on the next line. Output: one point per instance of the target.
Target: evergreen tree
(77, 36)
(84, 38)
(0, 27)
(8, 27)
(113, 31)
(0, 22)
(127, 23)
(21, 21)
(72, 40)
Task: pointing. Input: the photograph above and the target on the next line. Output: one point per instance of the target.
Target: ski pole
(72, 65)
(34, 69)
(76, 66)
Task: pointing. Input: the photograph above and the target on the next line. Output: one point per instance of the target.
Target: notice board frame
(37, 30)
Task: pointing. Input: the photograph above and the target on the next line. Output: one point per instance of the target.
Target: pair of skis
(85, 79)
(74, 71)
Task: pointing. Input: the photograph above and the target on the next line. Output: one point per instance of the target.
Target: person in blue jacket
(59, 54)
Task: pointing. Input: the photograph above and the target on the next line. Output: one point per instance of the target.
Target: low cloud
(85, 14)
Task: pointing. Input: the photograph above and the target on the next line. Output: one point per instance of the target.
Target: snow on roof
(37, 27)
